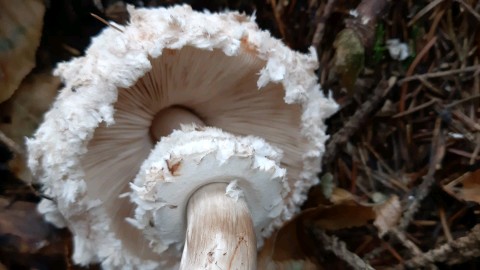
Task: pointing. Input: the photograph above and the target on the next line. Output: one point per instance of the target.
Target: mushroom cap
(191, 158)
(220, 66)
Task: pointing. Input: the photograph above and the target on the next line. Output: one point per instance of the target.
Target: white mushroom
(209, 169)
(173, 66)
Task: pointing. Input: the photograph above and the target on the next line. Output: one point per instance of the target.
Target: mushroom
(180, 129)
(230, 188)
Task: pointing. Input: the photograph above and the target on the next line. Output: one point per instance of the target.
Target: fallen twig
(357, 120)
(14, 147)
(339, 248)
(411, 69)
(458, 251)
(437, 152)
(415, 109)
(445, 227)
(457, 102)
(414, 250)
(106, 22)
(319, 30)
(439, 74)
(424, 11)
(277, 12)
(469, 9)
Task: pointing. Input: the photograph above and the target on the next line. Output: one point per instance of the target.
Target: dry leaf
(342, 216)
(20, 31)
(466, 187)
(294, 243)
(23, 112)
(341, 196)
(388, 215)
(288, 249)
(21, 227)
(28, 242)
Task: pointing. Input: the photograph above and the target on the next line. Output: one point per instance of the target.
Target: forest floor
(401, 173)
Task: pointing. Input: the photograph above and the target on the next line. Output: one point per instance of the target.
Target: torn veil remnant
(176, 109)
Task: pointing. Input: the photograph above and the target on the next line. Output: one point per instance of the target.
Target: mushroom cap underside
(96, 136)
(191, 158)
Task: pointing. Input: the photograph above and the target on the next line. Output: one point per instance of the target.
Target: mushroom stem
(220, 232)
(171, 118)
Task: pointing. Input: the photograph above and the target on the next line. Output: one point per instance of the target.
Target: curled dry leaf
(387, 215)
(466, 187)
(20, 32)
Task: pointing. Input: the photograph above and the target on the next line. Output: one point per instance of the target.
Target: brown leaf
(293, 241)
(20, 31)
(342, 216)
(25, 109)
(288, 248)
(28, 242)
(387, 214)
(23, 112)
(21, 227)
(466, 187)
(342, 196)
